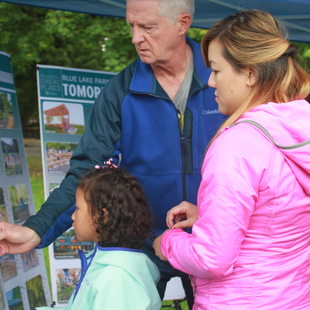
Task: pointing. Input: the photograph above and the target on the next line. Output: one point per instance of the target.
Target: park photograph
(30, 260)
(3, 212)
(58, 156)
(19, 202)
(66, 246)
(64, 118)
(6, 111)
(154, 155)
(14, 299)
(67, 280)
(35, 292)
(8, 267)
(2, 298)
(11, 154)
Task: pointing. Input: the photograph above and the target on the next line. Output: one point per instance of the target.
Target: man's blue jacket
(134, 117)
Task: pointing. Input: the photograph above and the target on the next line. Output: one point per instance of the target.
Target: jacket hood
(134, 262)
(287, 125)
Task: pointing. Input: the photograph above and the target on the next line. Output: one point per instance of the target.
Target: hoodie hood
(287, 125)
(132, 261)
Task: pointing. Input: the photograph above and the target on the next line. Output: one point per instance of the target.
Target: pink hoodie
(250, 247)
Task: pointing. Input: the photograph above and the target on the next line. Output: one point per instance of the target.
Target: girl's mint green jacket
(115, 278)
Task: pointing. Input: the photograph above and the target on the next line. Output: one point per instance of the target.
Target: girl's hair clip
(107, 164)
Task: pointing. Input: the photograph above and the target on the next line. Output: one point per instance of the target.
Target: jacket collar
(144, 81)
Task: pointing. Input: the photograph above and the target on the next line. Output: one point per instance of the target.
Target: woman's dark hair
(128, 220)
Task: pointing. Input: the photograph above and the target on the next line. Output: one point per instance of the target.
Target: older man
(158, 114)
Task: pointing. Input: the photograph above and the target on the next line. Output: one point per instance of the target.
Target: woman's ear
(252, 77)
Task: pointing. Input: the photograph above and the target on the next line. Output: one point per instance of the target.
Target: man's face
(155, 37)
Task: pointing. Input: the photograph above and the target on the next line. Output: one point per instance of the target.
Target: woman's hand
(182, 216)
(157, 249)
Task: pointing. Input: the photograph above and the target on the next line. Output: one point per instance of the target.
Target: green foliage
(35, 292)
(34, 162)
(197, 34)
(303, 56)
(171, 304)
(16, 293)
(34, 36)
(61, 146)
(40, 36)
(5, 106)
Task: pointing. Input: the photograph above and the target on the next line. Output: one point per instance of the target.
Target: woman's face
(232, 87)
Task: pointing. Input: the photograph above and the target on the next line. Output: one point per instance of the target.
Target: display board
(66, 96)
(23, 280)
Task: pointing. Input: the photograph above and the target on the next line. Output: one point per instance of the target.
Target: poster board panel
(66, 96)
(23, 280)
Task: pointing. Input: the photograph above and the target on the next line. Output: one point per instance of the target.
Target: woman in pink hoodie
(250, 242)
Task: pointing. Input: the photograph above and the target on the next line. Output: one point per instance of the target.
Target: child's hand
(182, 216)
(156, 246)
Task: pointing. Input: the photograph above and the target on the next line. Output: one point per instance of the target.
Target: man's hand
(16, 239)
(156, 246)
(182, 216)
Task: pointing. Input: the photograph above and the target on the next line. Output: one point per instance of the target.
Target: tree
(303, 56)
(40, 36)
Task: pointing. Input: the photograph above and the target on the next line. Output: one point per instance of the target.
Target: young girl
(249, 246)
(111, 210)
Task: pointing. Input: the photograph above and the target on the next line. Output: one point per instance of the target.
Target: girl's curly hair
(121, 195)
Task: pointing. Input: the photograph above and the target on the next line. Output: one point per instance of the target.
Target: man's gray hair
(172, 8)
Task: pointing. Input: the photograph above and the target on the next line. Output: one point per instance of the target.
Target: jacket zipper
(84, 267)
(194, 284)
(183, 152)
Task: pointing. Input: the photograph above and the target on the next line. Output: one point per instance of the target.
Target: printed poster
(66, 96)
(23, 278)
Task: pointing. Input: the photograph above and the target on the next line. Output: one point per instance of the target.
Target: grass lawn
(34, 160)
